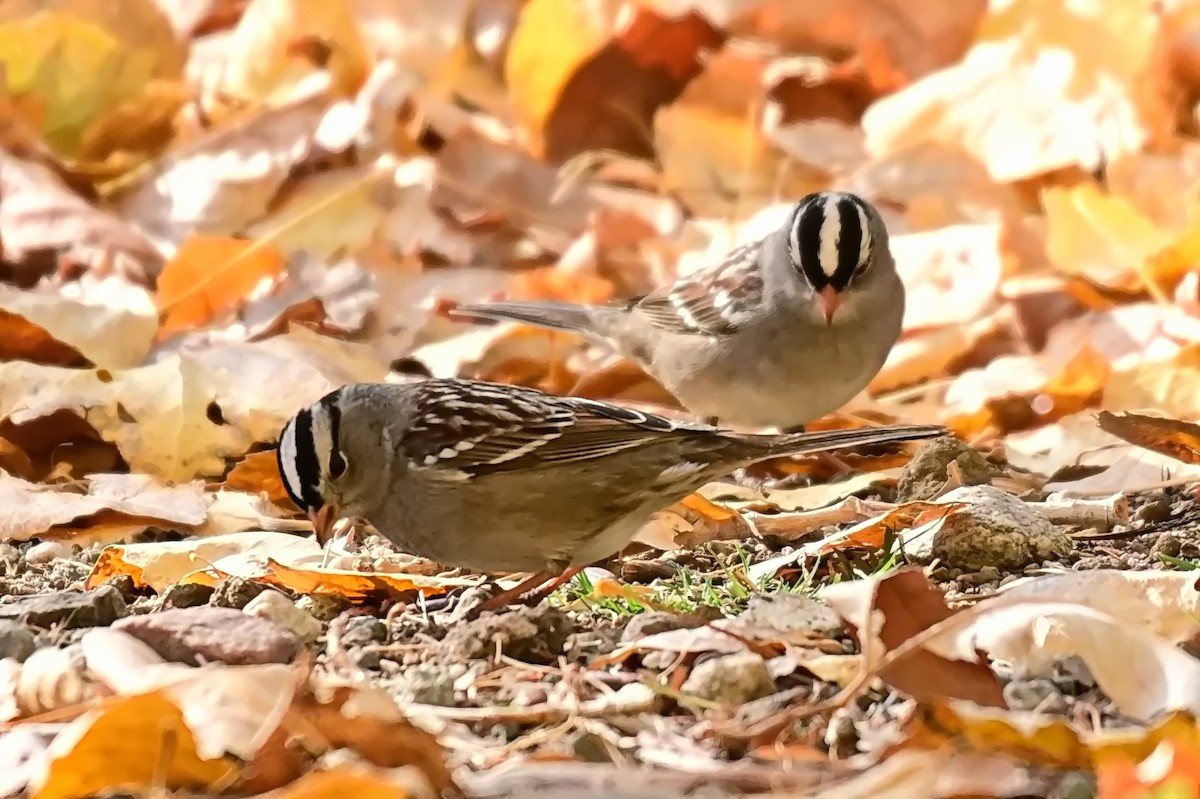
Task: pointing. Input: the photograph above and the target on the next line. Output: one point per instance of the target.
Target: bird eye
(337, 465)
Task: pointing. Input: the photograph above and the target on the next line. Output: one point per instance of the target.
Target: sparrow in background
(780, 332)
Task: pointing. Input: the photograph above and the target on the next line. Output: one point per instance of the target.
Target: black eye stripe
(810, 214)
(337, 464)
(849, 243)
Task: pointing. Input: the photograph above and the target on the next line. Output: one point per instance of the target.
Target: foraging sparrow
(496, 478)
(780, 332)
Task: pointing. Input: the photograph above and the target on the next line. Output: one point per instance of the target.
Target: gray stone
(68, 609)
(124, 585)
(426, 685)
(533, 635)
(926, 473)
(46, 551)
(993, 529)
(363, 630)
(208, 635)
(322, 607)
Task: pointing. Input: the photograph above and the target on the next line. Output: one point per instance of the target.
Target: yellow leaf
(1100, 237)
(81, 58)
(137, 742)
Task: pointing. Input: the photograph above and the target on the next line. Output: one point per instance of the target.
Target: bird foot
(471, 602)
(763, 484)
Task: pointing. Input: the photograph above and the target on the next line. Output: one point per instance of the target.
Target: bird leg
(828, 458)
(544, 581)
(547, 589)
(507, 597)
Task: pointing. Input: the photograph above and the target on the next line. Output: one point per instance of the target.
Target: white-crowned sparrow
(780, 332)
(496, 478)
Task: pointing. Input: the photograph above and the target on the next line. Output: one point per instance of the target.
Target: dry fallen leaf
(110, 51)
(1044, 87)
(38, 212)
(160, 564)
(136, 501)
(565, 61)
(215, 185)
(1178, 439)
(184, 415)
(209, 276)
(711, 144)
(122, 744)
(264, 56)
(908, 604)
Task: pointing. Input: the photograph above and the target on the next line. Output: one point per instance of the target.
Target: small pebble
(1153, 511)
(186, 595)
(235, 592)
(1035, 695)
(46, 551)
(657, 621)
(730, 679)
(589, 747)
(68, 609)
(16, 641)
(274, 606)
(425, 685)
(362, 630)
(1176, 544)
(322, 607)
(366, 659)
(124, 585)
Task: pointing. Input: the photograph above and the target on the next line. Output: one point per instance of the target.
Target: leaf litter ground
(212, 213)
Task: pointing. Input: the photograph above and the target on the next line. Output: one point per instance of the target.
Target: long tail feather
(801, 443)
(554, 315)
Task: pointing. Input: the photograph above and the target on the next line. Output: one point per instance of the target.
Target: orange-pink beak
(322, 521)
(830, 299)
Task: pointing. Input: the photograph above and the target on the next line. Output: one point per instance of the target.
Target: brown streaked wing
(714, 301)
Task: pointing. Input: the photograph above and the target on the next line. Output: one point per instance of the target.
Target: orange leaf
(211, 275)
(259, 471)
(552, 283)
(357, 586)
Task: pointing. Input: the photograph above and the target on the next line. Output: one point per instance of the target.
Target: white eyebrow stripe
(794, 234)
(831, 231)
(864, 240)
(287, 453)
